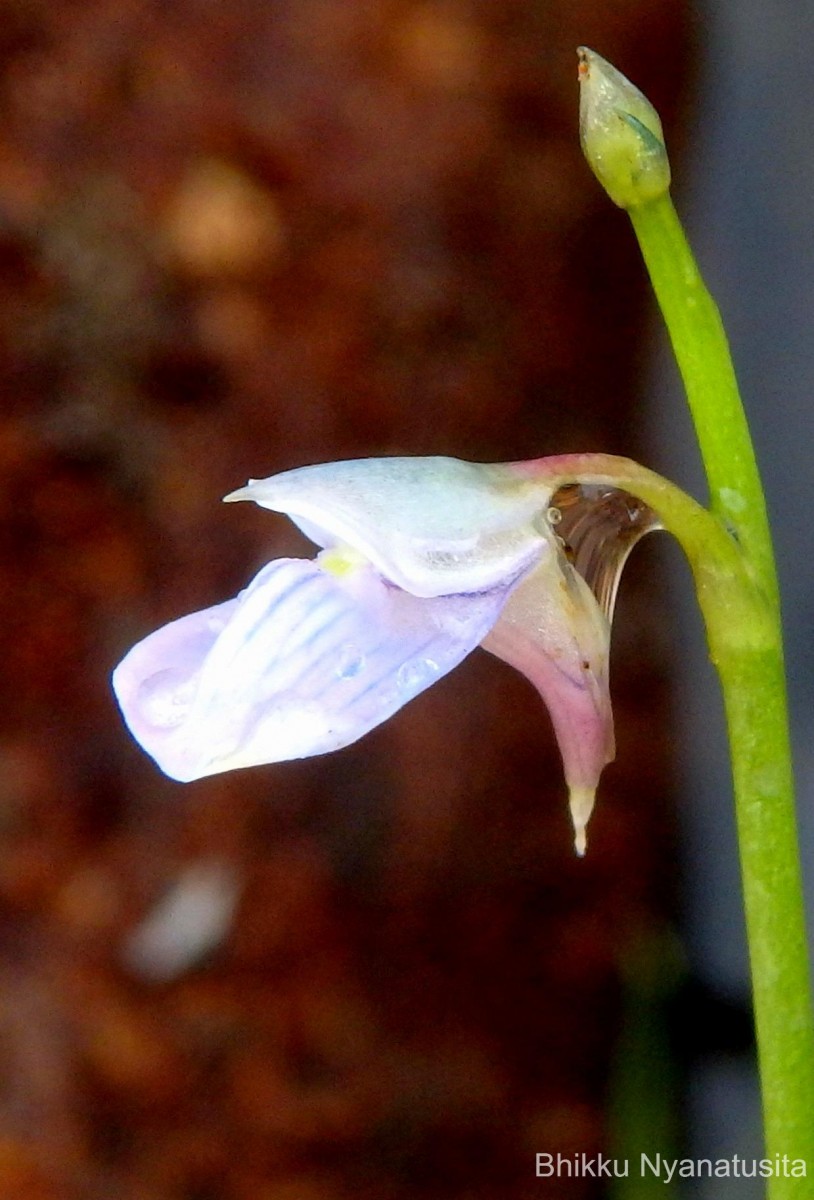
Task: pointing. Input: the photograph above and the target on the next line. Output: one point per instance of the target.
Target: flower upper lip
(397, 512)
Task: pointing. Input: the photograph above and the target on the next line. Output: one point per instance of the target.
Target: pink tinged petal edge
(433, 526)
(302, 662)
(554, 632)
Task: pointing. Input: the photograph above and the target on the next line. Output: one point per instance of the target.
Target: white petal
(306, 661)
(434, 526)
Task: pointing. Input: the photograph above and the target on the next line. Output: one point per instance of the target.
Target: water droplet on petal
(165, 698)
(350, 662)
(415, 675)
(409, 676)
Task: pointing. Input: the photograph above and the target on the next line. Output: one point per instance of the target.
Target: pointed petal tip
(242, 493)
(581, 804)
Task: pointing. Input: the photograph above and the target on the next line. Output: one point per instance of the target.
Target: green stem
(702, 352)
(746, 647)
(622, 139)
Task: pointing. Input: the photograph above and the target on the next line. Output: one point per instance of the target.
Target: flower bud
(620, 133)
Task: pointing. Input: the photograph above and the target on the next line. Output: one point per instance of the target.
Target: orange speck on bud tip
(621, 133)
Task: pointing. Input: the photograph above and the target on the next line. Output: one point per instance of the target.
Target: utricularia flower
(422, 560)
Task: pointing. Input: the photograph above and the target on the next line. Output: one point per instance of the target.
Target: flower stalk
(731, 553)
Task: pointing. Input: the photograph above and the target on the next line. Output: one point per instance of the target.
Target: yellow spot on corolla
(341, 560)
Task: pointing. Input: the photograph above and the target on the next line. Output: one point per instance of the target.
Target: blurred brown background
(234, 238)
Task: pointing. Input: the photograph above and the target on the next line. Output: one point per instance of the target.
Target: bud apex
(621, 134)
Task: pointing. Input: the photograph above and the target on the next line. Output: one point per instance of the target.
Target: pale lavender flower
(423, 560)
